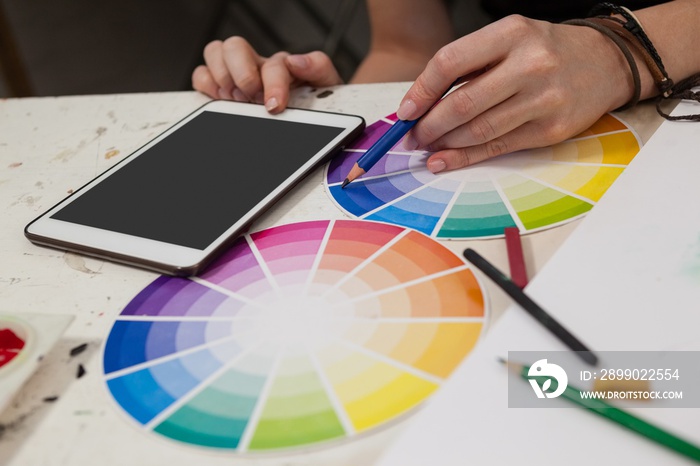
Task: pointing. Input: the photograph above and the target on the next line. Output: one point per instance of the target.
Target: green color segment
(476, 214)
(216, 417)
(297, 411)
(192, 426)
(302, 430)
(539, 206)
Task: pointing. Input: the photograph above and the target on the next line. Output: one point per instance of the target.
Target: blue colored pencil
(386, 142)
(379, 148)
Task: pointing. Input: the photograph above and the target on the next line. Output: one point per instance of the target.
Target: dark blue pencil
(379, 148)
(386, 142)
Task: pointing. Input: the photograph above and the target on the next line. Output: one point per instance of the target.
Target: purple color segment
(236, 269)
(192, 299)
(371, 135)
(341, 165)
(387, 188)
(392, 163)
(152, 299)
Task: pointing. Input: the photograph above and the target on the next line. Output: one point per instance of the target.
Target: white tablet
(176, 202)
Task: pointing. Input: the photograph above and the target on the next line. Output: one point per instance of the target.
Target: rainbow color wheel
(530, 190)
(299, 334)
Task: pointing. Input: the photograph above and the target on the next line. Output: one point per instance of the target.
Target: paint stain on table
(77, 262)
(10, 346)
(111, 153)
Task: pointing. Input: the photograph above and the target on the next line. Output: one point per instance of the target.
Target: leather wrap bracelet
(628, 27)
(628, 30)
(603, 29)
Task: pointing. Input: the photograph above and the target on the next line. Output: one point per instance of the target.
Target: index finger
(277, 81)
(460, 58)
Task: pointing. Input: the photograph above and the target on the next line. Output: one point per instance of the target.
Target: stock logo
(547, 380)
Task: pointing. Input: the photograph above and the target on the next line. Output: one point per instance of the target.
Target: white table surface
(52, 146)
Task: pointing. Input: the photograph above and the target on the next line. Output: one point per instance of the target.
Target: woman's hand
(234, 70)
(531, 84)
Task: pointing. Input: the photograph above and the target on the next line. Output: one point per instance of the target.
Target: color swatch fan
(299, 334)
(530, 190)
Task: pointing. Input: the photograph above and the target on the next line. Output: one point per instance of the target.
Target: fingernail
(406, 110)
(239, 96)
(271, 104)
(298, 61)
(437, 165)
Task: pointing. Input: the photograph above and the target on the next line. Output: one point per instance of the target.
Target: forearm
(674, 29)
(389, 66)
(405, 35)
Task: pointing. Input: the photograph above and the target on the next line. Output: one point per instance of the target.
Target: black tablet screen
(192, 186)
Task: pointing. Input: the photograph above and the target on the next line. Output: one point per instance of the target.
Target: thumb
(314, 68)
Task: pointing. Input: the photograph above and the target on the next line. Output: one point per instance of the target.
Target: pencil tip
(345, 183)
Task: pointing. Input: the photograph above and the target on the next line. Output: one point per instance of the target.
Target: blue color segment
(140, 395)
(125, 346)
(392, 214)
(166, 338)
(356, 198)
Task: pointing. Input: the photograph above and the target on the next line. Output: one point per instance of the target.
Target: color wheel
(299, 334)
(530, 190)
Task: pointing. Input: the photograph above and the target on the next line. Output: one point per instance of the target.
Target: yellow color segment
(450, 346)
(395, 396)
(588, 181)
(372, 391)
(606, 124)
(435, 348)
(619, 148)
(611, 149)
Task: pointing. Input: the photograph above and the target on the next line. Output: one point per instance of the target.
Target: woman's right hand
(233, 70)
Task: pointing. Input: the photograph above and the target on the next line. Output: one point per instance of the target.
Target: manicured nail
(437, 165)
(407, 110)
(271, 104)
(298, 61)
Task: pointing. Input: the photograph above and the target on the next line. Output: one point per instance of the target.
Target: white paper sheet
(628, 278)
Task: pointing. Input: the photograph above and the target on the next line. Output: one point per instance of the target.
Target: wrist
(620, 80)
(626, 78)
